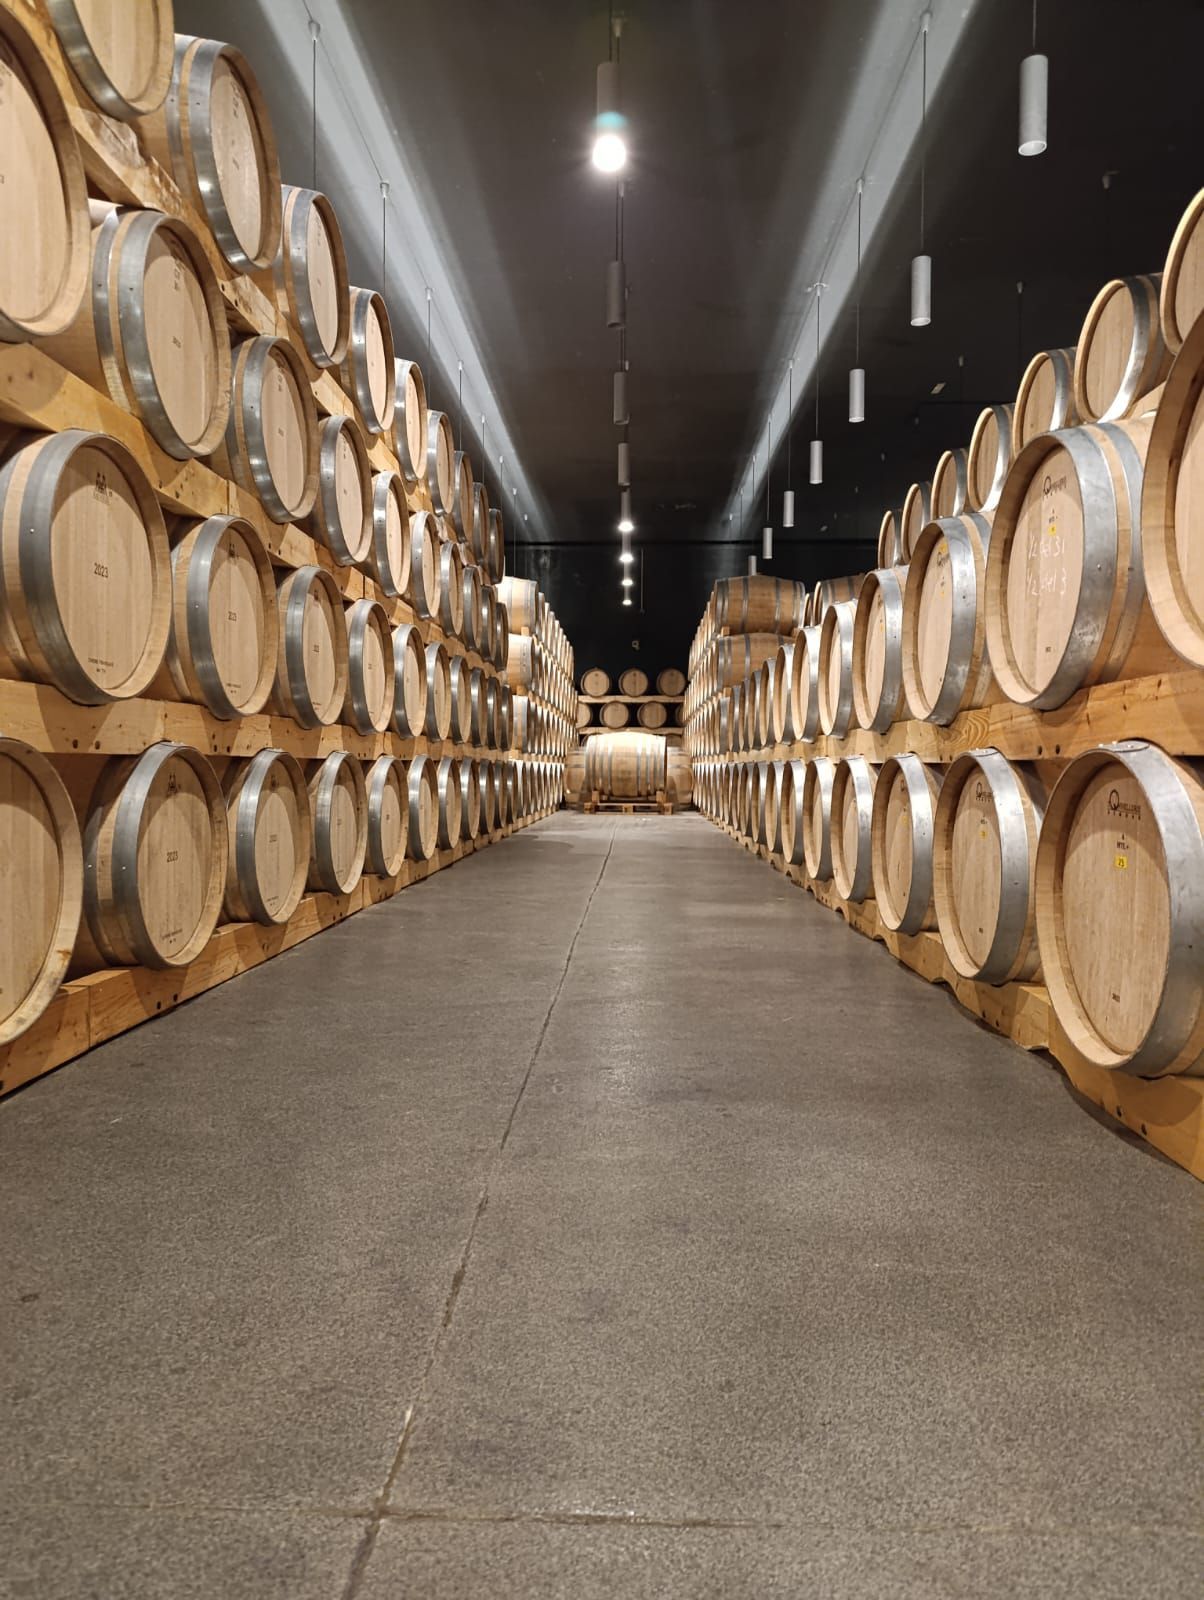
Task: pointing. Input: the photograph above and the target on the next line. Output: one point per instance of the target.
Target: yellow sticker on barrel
(1120, 862)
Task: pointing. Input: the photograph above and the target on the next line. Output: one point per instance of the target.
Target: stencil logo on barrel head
(100, 487)
(1053, 485)
(1123, 808)
(982, 791)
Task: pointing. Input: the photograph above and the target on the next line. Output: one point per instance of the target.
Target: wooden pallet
(1167, 1112)
(87, 1011)
(660, 806)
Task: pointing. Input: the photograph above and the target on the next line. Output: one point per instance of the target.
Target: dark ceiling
(732, 111)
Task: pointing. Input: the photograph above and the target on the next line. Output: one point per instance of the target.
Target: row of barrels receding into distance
(1060, 551)
(628, 765)
(1087, 876)
(135, 860)
(246, 503)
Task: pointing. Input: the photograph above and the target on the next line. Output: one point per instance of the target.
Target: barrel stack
(988, 752)
(227, 503)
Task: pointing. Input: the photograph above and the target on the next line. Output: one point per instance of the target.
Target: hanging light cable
(921, 265)
(857, 371)
(817, 444)
(788, 494)
(767, 530)
(1034, 99)
(315, 29)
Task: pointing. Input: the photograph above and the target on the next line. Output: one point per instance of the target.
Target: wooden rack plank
(1167, 709)
(87, 1011)
(631, 699)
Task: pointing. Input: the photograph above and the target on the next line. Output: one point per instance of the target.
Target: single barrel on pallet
(625, 766)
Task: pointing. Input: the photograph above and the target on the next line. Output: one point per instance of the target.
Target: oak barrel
(852, 812)
(1065, 594)
(43, 269)
(85, 568)
(679, 776)
(890, 552)
(759, 604)
(120, 50)
(625, 766)
(311, 658)
(368, 370)
(1045, 398)
(670, 680)
(877, 664)
(270, 446)
(225, 631)
(495, 551)
(388, 816)
(804, 684)
(653, 714)
(781, 697)
(424, 564)
(451, 591)
(1120, 908)
(43, 885)
(790, 811)
(410, 425)
(338, 802)
(988, 821)
(633, 682)
(1172, 503)
(989, 457)
(310, 272)
(409, 682)
(481, 709)
(270, 838)
(595, 682)
(901, 836)
(342, 514)
(388, 558)
(488, 787)
(522, 662)
(950, 482)
(817, 817)
(741, 654)
(836, 668)
(368, 704)
(438, 691)
(945, 665)
(460, 695)
(151, 332)
(916, 515)
(520, 596)
(440, 455)
(451, 806)
(155, 854)
(463, 503)
(214, 135)
(1120, 355)
(1181, 296)
(470, 798)
(422, 784)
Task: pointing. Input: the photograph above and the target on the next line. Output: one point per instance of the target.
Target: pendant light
(609, 153)
(857, 372)
(1034, 99)
(624, 464)
(921, 265)
(626, 525)
(625, 555)
(817, 444)
(767, 530)
(752, 565)
(788, 496)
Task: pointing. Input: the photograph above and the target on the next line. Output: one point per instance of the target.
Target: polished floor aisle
(665, 1240)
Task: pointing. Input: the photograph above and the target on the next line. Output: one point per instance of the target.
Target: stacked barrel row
(539, 671)
(653, 706)
(227, 493)
(1061, 550)
(628, 765)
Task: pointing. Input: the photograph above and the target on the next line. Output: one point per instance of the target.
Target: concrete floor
(665, 1239)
